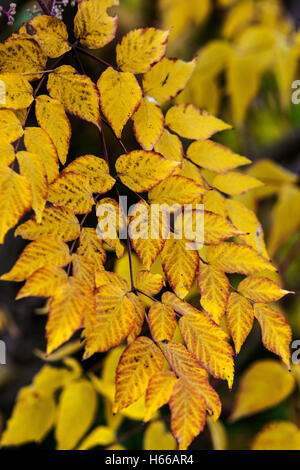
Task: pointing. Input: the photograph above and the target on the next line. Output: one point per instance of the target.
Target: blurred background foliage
(248, 57)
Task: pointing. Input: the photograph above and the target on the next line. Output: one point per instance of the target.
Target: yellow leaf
(215, 157)
(33, 168)
(115, 316)
(216, 228)
(149, 283)
(7, 154)
(37, 254)
(49, 32)
(258, 43)
(83, 269)
(276, 332)
(56, 221)
(73, 191)
(157, 437)
(140, 360)
(44, 282)
(159, 392)
(76, 92)
(37, 141)
(239, 17)
(93, 27)
(148, 124)
(140, 314)
(15, 199)
(188, 413)
(180, 265)
(261, 289)
(176, 189)
(33, 417)
(162, 321)
(235, 183)
(49, 379)
(216, 203)
(10, 127)
(193, 123)
(120, 96)
(141, 48)
(17, 91)
(67, 309)
(51, 116)
(265, 384)
(214, 288)
(237, 258)
(167, 78)
(286, 66)
(213, 58)
(91, 248)
(95, 169)
(141, 170)
(170, 146)
(203, 91)
(76, 412)
(278, 435)
(100, 436)
(272, 175)
(104, 278)
(218, 434)
(22, 56)
(239, 318)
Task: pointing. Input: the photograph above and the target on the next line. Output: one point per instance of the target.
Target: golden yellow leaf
(264, 384)
(76, 92)
(212, 58)
(56, 221)
(157, 437)
(93, 27)
(37, 254)
(180, 265)
(148, 124)
(261, 289)
(215, 157)
(73, 191)
(17, 91)
(140, 314)
(33, 168)
(49, 378)
(159, 391)
(277, 435)
(104, 278)
(272, 175)
(140, 360)
(236, 258)
(15, 199)
(149, 283)
(170, 146)
(51, 116)
(214, 202)
(95, 169)
(193, 123)
(239, 319)
(22, 56)
(214, 288)
(91, 248)
(238, 18)
(276, 332)
(218, 434)
(216, 227)
(162, 321)
(141, 170)
(32, 418)
(83, 269)
(37, 141)
(235, 183)
(120, 96)
(7, 154)
(10, 127)
(44, 282)
(76, 412)
(167, 78)
(141, 48)
(100, 436)
(203, 91)
(49, 32)
(176, 189)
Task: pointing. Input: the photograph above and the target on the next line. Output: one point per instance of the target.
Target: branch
(44, 7)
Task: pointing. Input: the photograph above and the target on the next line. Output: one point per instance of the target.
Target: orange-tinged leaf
(162, 321)
(18, 91)
(149, 283)
(239, 318)
(141, 170)
(167, 78)
(188, 413)
(159, 391)
(7, 154)
(264, 384)
(170, 146)
(37, 254)
(236, 258)
(141, 48)
(10, 127)
(214, 156)
(91, 248)
(95, 169)
(235, 183)
(37, 141)
(138, 363)
(73, 191)
(93, 27)
(214, 288)
(148, 124)
(176, 189)
(22, 56)
(45, 282)
(76, 92)
(120, 96)
(276, 332)
(278, 435)
(261, 289)
(51, 116)
(15, 199)
(33, 168)
(193, 123)
(55, 221)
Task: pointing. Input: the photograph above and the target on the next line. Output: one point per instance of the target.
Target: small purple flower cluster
(10, 13)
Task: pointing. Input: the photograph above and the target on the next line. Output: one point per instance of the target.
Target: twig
(87, 53)
(44, 7)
